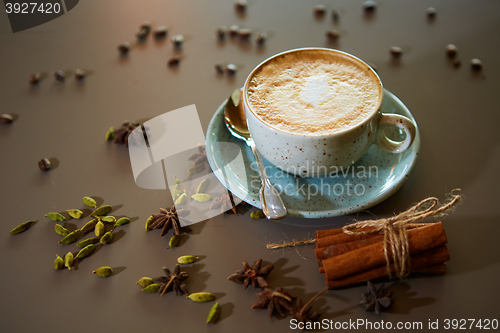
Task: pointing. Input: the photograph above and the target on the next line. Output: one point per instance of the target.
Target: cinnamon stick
(373, 255)
(423, 261)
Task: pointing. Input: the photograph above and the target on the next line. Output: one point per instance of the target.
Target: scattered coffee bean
(233, 30)
(44, 164)
(221, 32)
(231, 69)
(6, 118)
(369, 6)
(396, 51)
(476, 64)
(124, 48)
(244, 33)
(146, 25)
(456, 63)
(161, 32)
(319, 10)
(142, 34)
(178, 40)
(174, 61)
(80, 74)
(34, 78)
(332, 35)
(260, 38)
(60, 76)
(335, 15)
(431, 12)
(240, 5)
(451, 50)
(219, 68)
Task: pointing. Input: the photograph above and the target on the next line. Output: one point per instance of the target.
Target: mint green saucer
(374, 178)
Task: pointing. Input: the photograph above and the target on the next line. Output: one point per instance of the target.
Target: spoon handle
(270, 199)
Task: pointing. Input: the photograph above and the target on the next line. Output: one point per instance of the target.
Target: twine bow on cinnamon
(394, 231)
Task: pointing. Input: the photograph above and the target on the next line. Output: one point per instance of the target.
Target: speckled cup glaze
(319, 155)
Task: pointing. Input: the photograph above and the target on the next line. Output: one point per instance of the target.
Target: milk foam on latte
(313, 92)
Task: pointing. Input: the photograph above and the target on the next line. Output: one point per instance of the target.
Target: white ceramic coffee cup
(316, 155)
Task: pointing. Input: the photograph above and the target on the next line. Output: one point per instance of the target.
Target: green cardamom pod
(187, 259)
(201, 297)
(59, 262)
(258, 214)
(152, 288)
(99, 229)
(75, 213)
(181, 200)
(88, 241)
(150, 220)
(89, 226)
(71, 237)
(177, 188)
(106, 238)
(174, 240)
(107, 219)
(145, 281)
(22, 227)
(203, 186)
(201, 197)
(85, 252)
(88, 201)
(55, 216)
(110, 134)
(104, 271)
(61, 230)
(68, 260)
(196, 168)
(121, 221)
(101, 211)
(214, 313)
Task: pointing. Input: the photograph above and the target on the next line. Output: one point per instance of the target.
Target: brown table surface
(456, 110)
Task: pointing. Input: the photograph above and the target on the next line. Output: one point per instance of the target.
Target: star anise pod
(171, 218)
(122, 133)
(172, 281)
(275, 301)
(199, 157)
(225, 202)
(252, 275)
(375, 299)
(303, 313)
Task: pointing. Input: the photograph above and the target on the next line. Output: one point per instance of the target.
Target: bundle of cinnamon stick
(346, 259)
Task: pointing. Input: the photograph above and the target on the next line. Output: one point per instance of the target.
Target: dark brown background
(456, 110)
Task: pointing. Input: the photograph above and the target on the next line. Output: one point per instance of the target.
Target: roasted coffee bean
(332, 35)
(174, 61)
(457, 63)
(240, 5)
(396, 52)
(233, 30)
(369, 6)
(319, 10)
(178, 40)
(60, 76)
(219, 68)
(231, 69)
(6, 118)
(124, 48)
(244, 33)
(34, 78)
(476, 64)
(431, 12)
(44, 164)
(80, 74)
(221, 32)
(260, 38)
(161, 32)
(451, 50)
(335, 15)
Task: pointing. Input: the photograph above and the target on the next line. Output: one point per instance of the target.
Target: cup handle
(401, 122)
